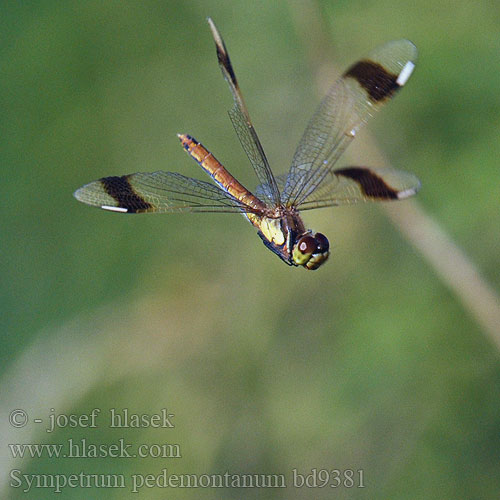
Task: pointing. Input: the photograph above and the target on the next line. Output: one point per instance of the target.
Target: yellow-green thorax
(284, 234)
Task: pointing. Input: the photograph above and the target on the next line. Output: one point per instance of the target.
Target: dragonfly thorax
(284, 233)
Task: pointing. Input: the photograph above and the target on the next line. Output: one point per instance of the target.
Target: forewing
(350, 185)
(361, 91)
(159, 192)
(263, 190)
(241, 121)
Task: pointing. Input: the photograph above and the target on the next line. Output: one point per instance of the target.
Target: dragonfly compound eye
(321, 252)
(323, 243)
(307, 245)
(303, 249)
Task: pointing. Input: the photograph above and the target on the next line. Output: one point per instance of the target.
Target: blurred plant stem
(448, 261)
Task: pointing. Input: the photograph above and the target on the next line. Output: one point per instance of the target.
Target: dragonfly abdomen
(218, 172)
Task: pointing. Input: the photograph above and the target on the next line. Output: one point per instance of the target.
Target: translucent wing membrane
(361, 90)
(159, 192)
(263, 191)
(350, 185)
(254, 153)
(242, 124)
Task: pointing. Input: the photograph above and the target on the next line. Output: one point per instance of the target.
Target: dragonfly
(313, 180)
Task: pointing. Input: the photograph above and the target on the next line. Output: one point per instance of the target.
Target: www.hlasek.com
(314, 478)
(84, 448)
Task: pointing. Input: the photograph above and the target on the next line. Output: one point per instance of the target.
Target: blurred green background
(369, 363)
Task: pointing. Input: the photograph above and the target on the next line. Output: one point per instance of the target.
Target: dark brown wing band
(379, 83)
(123, 193)
(370, 183)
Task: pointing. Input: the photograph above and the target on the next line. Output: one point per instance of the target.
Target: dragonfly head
(311, 250)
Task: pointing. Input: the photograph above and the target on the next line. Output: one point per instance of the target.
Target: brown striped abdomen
(217, 171)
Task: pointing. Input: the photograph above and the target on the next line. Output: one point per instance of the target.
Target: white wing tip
(114, 209)
(406, 193)
(405, 73)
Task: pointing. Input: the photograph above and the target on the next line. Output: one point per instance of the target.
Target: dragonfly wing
(241, 120)
(360, 91)
(350, 185)
(159, 192)
(263, 190)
